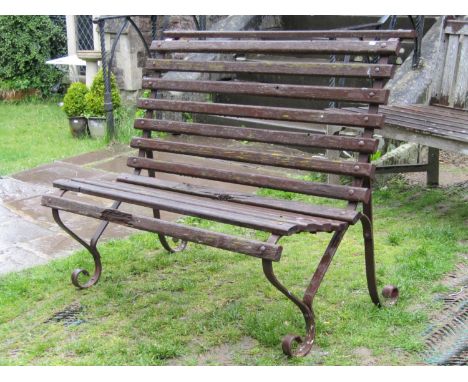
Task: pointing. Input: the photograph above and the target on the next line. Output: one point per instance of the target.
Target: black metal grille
(84, 32)
(69, 316)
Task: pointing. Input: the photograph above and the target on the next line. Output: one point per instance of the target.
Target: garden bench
(275, 216)
(443, 123)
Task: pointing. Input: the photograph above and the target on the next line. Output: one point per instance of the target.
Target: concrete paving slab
(17, 230)
(15, 189)
(44, 175)
(97, 156)
(15, 258)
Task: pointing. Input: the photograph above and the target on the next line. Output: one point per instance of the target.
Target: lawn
(208, 306)
(36, 132)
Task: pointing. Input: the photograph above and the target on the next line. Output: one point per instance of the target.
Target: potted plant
(74, 107)
(94, 104)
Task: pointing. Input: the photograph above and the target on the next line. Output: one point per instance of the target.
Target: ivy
(26, 43)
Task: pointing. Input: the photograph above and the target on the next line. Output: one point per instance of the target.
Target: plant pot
(97, 127)
(78, 126)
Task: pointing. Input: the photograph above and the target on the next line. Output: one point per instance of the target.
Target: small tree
(94, 100)
(26, 43)
(74, 100)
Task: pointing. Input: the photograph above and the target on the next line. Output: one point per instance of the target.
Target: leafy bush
(94, 100)
(26, 42)
(74, 100)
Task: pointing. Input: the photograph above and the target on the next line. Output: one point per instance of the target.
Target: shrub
(74, 100)
(94, 100)
(26, 42)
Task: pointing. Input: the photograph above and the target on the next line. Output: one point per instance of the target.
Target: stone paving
(28, 234)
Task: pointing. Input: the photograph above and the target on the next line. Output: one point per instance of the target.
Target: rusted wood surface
(295, 35)
(265, 219)
(346, 215)
(343, 94)
(365, 145)
(319, 189)
(278, 159)
(382, 48)
(219, 240)
(265, 112)
(274, 67)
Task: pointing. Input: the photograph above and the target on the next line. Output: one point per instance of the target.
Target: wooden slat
(270, 159)
(286, 221)
(426, 118)
(449, 71)
(365, 145)
(346, 215)
(357, 194)
(187, 206)
(265, 112)
(421, 126)
(460, 91)
(196, 235)
(458, 27)
(447, 114)
(381, 48)
(294, 35)
(343, 94)
(274, 67)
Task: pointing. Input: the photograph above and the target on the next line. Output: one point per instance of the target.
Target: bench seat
(202, 202)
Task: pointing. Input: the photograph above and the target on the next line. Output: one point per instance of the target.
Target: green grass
(204, 305)
(36, 132)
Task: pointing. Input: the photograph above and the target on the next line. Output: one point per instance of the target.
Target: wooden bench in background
(277, 217)
(443, 123)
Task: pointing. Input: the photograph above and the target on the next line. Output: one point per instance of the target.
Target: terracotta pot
(78, 126)
(97, 127)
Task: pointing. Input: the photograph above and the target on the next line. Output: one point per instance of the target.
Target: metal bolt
(366, 119)
(351, 192)
(383, 45)
(356, 168)
(142, 122)
(146, 102)
(361, 143)
(377, 69)
(134, 160)
(262, 248)
(371, 94)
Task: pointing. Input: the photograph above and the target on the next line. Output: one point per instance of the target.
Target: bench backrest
(450, 84)
(290, 46)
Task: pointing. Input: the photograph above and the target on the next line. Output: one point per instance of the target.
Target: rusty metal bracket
(91, 247)
(389, 292)
(304, 344)
(181, 245)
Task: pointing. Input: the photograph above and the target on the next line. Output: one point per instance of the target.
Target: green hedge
(26, 43)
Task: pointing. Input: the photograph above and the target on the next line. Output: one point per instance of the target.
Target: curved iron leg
(305, 305)
(304, 343)
(390, 292)
(180, 246)
(92, 248)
